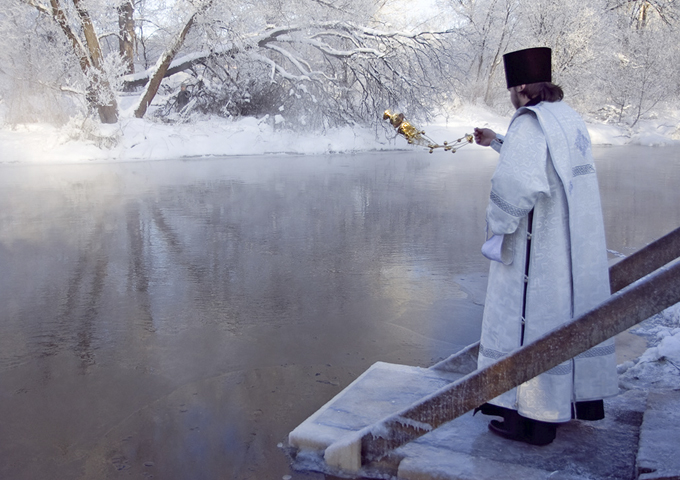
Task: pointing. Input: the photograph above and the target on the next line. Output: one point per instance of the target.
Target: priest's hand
(484, 136)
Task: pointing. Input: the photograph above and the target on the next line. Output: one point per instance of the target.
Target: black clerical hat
(527, 66)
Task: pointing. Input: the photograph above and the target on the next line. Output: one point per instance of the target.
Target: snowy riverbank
(131, 139)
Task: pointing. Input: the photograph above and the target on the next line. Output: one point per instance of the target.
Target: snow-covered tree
(485, 30)
(571, 30)
(29, 86)
(126, 34)
(638, 72)
(311, 62)
(642, 13)
(164, 61)
(319, 63)
(74, 20)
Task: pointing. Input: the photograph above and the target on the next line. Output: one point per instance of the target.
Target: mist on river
(178, 318)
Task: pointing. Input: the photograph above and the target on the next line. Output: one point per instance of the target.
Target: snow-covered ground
(659, 366)
(83, 140)
(132, 139)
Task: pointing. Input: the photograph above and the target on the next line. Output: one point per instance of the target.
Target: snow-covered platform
(380, 391)
(621, 446)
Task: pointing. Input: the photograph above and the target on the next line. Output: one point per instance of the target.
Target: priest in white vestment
(545, 237)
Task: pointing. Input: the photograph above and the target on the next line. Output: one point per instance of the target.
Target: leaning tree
(76, 24)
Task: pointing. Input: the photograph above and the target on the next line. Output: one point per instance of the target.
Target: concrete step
(464, 449)
(658, 455)
(380, 391)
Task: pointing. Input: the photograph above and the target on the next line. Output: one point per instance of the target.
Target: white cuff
(497, 143)
(492, 248)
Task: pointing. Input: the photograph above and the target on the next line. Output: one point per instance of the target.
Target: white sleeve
(520, 176)
(497, 143)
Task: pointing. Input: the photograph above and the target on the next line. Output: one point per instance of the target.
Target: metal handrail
(635, 300)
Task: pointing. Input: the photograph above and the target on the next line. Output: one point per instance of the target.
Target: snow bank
(131, 139)
(659, 366)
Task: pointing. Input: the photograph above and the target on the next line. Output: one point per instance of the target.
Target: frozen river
(177, 319)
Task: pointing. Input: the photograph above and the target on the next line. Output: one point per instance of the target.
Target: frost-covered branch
(89, 54)
(180, 64)
(640, 11)
(56, 13)
(328, 50)
(109, 34)
(278, 68)
(302, 66)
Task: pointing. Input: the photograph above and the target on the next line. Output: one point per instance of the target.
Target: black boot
(511, 427)
(493, 410)
(522, 429)
(539, 433)
(592, 410)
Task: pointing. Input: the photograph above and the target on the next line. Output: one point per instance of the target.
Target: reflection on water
(179, 318)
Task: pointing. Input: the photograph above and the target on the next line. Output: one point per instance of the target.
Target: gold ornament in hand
(414, 136)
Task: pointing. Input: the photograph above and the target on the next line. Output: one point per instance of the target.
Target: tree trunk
(91, 37)
(108, 113)
(126, 41)
(100, 87)
(90, 60)
(164, 63)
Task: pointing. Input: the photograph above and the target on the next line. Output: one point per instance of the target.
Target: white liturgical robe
(546, 167)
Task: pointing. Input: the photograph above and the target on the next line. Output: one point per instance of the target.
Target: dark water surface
(177, 319)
